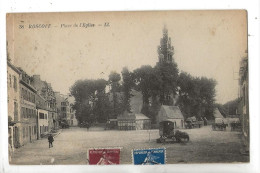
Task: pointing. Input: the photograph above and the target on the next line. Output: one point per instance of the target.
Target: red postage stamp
(110, 156)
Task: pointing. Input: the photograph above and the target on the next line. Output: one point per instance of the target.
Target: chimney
(36, 77)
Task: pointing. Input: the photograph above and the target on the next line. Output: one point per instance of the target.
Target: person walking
(50, 139)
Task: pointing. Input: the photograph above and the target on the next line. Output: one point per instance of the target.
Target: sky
(206, 43)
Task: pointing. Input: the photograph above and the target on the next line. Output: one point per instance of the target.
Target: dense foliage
(196, 96)
(159, 85)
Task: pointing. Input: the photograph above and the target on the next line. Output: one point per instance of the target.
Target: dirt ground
(70, 147)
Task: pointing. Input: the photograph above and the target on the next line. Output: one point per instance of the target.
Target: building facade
(28, 121)
(13, 87)
(73, 120)
(173, 114)
(243, 106)
(42, 122)
(133, 121)
(45, 90)
(42, 116)
(63, 108)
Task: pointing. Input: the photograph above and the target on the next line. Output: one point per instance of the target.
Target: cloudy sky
(206, 43)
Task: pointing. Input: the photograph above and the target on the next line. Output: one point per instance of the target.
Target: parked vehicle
(219, 126)
(64, 125)
(84, 125)
(236, 126)
(192, 122)
(167, 131)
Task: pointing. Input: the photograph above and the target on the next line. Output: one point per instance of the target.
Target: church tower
(165, 49)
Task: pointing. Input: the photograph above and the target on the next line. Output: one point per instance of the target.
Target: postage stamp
(104, 156)
(152, 156)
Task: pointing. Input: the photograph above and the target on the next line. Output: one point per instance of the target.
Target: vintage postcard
(96, 87)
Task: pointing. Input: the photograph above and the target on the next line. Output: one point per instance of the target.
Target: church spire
(165, 49)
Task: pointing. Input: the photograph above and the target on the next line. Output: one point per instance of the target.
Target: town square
(116, 91)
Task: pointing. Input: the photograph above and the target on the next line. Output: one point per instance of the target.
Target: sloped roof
(172, 112)
(132, 116)
(126, 116)
(217, 114)
(141, 117)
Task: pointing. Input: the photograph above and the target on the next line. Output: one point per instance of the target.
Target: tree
(114, 79)
(230, 108)
(127, 85)
(168, 73)
(101, 107)
(196, 96)
(148, 82)
(91, 101)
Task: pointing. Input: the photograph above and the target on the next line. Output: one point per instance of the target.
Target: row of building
(34, 108)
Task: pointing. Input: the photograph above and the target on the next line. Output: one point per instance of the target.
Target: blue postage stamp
(152, 156)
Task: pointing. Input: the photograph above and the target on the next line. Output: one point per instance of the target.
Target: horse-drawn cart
(192, 122)
(235, 126)
(219, 126)
(167, 131)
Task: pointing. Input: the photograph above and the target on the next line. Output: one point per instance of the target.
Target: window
(244, 95)
(29, 96)
(22, 112)
(25, 95)
(41, 115)
(10, 80)
(29, 113)
(34, 129)
(63, 103)
(23, 132)
(33, 98)
(15, 111)
(26, 131)
(26, 113)
(15, 83)
(22, 94)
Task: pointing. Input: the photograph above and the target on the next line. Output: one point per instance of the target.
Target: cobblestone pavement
(70, 147)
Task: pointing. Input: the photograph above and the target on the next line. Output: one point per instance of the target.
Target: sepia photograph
(128, 87)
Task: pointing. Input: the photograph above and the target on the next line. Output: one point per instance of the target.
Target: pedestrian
(205, 121)
(50, 139)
